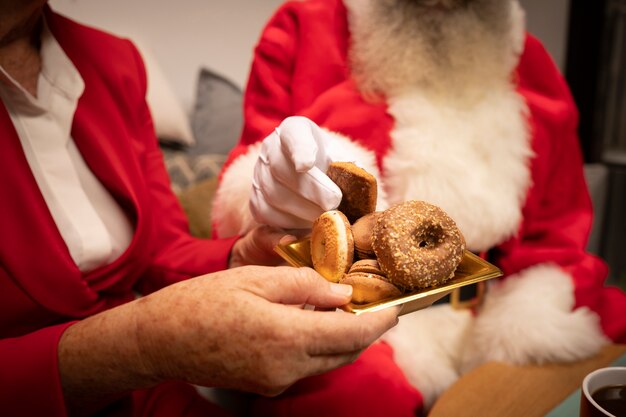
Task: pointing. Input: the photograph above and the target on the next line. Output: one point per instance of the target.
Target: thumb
(264, 238)
(289, 285)
(257, 247)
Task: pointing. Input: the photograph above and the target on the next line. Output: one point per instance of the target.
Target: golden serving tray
(471, 270)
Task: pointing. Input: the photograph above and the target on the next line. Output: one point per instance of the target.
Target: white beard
(458, 47)
(460, 139)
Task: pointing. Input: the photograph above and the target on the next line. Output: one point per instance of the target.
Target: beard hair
(442, 47)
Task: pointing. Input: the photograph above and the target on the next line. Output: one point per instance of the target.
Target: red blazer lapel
(32, 250)
(101, 134)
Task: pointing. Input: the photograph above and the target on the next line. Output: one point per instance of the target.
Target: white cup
(597, 379)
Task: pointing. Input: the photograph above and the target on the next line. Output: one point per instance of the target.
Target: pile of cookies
(382, 254)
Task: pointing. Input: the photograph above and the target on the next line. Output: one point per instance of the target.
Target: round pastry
(358, 188)
(332, 246)
(368, 266)
(362, 232)
(368, 288)
(417, 245)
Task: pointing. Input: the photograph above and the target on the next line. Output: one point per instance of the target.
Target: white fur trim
(518, 30)
(231, 212)
(528, 318)
(426, 346)
(472, 161)
(460, 138)
(341, 148)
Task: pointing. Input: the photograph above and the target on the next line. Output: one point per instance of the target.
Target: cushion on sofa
(217, 116)
(216, 120)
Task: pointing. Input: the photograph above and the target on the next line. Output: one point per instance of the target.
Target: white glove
(290, 188)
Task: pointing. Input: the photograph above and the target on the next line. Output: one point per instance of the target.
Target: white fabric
(426, 346)
(93, 226)
(290, 188)
(231, 211)
(531, 318)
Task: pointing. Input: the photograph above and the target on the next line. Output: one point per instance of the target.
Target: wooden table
(497, 389)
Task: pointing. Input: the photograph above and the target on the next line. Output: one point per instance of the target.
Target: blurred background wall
(183, 35)
(220, 34)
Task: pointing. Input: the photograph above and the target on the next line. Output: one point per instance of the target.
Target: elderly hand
(290, 188)
(236, 328)
(239, 329)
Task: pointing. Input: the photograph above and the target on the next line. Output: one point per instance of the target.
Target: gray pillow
(217, 116)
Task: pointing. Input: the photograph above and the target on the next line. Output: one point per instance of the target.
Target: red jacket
(41, 289)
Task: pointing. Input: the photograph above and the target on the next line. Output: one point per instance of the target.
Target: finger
(325, 192)
(286, 285)
(323, 363)
(265, 213)
(312, 184)
(345, 332)
(265, 238)
(323, 160)
(298, 142)
(287, 239)
(288, 200)
(299, 233)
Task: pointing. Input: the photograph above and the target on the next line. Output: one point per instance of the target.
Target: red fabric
(558, 213)
(40, 286)
(371, 386)
(300, 68)
(172, 399)
(29, 381)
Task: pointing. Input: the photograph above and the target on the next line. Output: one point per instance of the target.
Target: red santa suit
(42, 291)
(495, 147)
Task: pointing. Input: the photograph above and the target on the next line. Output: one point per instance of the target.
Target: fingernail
(287, 239)
(341, 289)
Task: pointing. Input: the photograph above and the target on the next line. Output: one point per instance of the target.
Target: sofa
(196, 145)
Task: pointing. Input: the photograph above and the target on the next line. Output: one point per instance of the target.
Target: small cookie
(368, 266)
(358, 188)
(362, 232)
(369, 288)
(332, 246)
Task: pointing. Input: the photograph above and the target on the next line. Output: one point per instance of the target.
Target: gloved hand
(290, 188)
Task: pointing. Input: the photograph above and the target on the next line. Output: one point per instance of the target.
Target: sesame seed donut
(332, 245)
(417, 245)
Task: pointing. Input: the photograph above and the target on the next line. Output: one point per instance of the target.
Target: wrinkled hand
(290, 188)
(239, 329)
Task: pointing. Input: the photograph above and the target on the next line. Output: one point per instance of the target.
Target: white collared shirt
(94, 227)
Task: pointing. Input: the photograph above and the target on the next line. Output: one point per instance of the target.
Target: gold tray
(471, 270)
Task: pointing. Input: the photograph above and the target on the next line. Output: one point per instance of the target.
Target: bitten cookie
(358, 188)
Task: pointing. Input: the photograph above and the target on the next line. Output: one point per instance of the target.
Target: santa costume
(453, 103)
